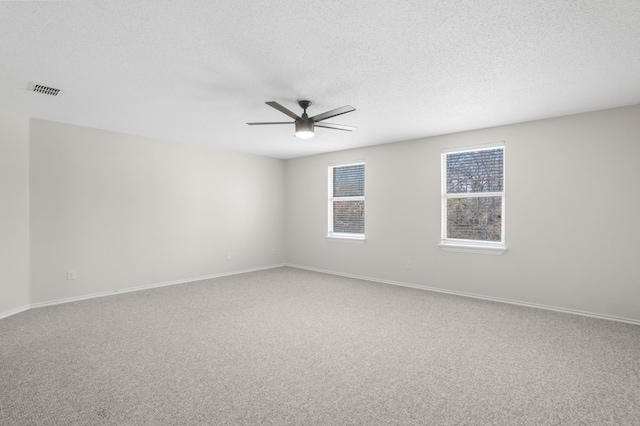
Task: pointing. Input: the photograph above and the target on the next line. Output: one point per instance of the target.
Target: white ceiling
(197, 71)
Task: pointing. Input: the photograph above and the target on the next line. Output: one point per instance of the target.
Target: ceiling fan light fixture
(304, 129)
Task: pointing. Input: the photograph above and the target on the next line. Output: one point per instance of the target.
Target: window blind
(475, 171)
(348, 181)
(475, 218)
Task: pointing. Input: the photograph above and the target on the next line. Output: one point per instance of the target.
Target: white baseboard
(14, 311)
(128, 290)
(324, 271)
(472, 295)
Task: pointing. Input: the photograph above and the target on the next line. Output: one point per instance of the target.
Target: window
(473, 199)
(346, 201)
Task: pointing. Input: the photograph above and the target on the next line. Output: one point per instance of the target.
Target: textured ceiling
(197, 71)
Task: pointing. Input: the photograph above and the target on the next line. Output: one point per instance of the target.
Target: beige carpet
(293, 347)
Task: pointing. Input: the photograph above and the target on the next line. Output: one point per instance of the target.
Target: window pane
(475, 171)
(476, 218)
(348, 216)
(348, 181)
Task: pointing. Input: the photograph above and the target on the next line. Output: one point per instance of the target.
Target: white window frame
(463, 245)
(342, 236)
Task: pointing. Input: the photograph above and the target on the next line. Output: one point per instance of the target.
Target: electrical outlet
(228, 256)
(408, 265)
(71, 274)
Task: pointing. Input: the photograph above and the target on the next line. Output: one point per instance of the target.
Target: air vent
(45, 90)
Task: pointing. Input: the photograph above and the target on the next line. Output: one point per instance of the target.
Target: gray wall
(14, 212)
(572, 208)
(126, 211)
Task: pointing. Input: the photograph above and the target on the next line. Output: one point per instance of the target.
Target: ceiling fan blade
(338, 111)
(270, 122)
(335, 126)
(283, 110)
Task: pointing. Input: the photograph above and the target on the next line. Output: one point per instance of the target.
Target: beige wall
(14, 212)
(126, 211)
(572, 208)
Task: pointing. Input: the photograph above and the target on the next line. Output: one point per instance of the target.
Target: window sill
(346, 238)
(476, 248)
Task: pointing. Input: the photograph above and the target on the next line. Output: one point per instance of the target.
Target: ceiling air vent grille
(45, 90)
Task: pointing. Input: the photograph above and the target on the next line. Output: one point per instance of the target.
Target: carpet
(292, 347)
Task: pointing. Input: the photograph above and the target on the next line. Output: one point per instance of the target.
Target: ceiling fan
(306, 124)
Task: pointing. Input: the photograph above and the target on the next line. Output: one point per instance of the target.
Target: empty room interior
(273, 213)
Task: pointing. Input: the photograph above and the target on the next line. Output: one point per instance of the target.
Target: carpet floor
(293, 347)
